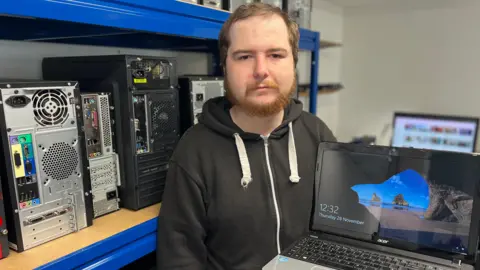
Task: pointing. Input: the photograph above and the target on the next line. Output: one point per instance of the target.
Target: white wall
(424, 60)
(328, 20)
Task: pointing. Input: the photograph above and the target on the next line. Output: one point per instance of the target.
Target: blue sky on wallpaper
(409, 183)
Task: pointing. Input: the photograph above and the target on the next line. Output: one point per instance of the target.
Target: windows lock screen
(421, 202)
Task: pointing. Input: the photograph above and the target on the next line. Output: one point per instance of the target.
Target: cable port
(17, 101)
(111, 195)
(35, 220)
(139, 73)
(139, 64)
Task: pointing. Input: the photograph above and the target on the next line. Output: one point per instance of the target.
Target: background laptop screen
(435, 132)
(397, 199)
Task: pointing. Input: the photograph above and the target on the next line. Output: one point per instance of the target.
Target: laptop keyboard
(330, 254)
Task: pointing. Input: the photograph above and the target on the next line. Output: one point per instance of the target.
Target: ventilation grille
(103, 175)
(164, 119)
(60, 161)
(50, 107)
(107, 136)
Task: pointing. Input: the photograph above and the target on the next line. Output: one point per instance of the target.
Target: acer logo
(383, 241)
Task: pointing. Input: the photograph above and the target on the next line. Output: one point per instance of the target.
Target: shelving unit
(324, 88)
(321, 89)
(122, 237)
(329, 44)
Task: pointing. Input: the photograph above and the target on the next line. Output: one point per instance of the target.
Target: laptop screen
(436, 132)
(398, 200)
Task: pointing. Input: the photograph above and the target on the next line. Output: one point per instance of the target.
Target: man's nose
(261, 68)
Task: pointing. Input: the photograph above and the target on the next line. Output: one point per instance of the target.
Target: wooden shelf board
(323, 91)
(102, 228)
(329, 44)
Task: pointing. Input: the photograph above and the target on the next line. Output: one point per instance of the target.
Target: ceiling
(357, 3)
(364, 3)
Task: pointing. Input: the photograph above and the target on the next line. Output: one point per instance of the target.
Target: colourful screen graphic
(436, 134)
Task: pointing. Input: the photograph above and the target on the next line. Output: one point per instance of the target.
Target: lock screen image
(410, 209)
(355, 196)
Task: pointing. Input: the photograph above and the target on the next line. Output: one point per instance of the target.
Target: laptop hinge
(457, 262)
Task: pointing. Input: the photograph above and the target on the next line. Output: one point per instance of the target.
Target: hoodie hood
(216, 116)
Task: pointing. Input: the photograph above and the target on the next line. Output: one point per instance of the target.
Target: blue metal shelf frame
(113, 252)
(152, 24)
(158, 24)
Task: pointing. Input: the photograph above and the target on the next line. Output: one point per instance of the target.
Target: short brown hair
(256, 9)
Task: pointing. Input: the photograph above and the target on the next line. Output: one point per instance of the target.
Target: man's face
(260, 69)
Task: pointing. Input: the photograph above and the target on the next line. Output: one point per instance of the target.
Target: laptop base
(281, 262)
(321, 252)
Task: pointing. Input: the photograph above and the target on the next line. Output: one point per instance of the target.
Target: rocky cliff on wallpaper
(400, 200)
(448, 204)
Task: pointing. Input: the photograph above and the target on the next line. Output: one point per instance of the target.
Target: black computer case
(4, 250)
(146, 115)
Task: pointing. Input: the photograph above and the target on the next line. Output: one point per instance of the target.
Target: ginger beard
(255, 108)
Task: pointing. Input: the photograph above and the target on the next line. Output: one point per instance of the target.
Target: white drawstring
(292, 156)
(245, 165)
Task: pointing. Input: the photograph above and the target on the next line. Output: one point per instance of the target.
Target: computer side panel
(4, 250)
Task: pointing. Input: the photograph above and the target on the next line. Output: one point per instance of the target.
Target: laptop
(379, 207)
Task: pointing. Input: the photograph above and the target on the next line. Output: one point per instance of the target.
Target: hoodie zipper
(275, 203)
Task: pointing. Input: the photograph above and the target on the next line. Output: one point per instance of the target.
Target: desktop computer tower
(46, 191)
(103, 164)
(4, 250)
(216, 4)
(194, 91)
(234, 4)
(300, 11)
(146, 117)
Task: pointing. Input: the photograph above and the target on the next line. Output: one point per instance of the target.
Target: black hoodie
(234, 200)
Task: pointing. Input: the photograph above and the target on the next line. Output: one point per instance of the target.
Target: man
(240, 184)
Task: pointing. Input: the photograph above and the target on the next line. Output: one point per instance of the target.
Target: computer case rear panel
(46, 191)
(4, 250)
(146, 115)
(234, 4)
(195, 90)
(300, 11)
(103, 167)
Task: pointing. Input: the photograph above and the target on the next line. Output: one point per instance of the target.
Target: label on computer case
(140, 80)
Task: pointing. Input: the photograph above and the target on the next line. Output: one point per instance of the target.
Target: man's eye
(243, 57)
(277, 56)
